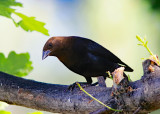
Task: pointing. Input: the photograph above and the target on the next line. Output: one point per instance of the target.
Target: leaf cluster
(26, 23)
(16, 64)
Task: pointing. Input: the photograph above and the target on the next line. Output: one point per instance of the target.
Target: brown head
(54, 46)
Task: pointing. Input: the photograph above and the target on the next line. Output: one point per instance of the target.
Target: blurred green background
(112, 23)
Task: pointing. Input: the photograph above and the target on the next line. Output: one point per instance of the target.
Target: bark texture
(141, 96)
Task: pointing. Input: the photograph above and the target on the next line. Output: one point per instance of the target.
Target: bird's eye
(50, 45)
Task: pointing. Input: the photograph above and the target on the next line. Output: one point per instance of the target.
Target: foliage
(30, 24)
(144, 44)
(16, 64)
(4, 112)
(5, 9)
(27, 23)
(35, 113)
(155, 4)
(109, 75)
(3, 105)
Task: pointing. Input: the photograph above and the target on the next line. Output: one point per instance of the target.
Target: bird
(83, 56)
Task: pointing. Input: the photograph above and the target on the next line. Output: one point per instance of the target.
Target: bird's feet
(74, 85)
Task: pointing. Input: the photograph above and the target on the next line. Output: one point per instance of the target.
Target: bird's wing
(94, 48)
(99, 50)
(89, 46)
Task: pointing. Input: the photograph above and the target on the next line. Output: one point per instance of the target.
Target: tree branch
(143, 95)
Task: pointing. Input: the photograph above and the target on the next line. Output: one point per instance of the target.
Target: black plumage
(83, 56)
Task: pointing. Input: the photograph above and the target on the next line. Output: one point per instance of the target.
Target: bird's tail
(127, 68)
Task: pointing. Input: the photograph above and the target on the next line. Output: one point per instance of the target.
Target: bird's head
(52, 47)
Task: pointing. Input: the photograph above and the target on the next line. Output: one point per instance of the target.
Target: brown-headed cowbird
(83, 56)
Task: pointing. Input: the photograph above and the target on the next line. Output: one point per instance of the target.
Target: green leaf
(5, 11)
(16, 64)
(35, 113)
(109, 75)
(144, 44)
(139, 38)
(9, 3)
(4, 112)
(5, 7)
(129, 78)
(30, 24)
(15, 23)
(27, 23)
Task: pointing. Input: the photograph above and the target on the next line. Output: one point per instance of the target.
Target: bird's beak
(45, 54)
